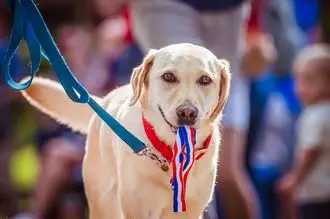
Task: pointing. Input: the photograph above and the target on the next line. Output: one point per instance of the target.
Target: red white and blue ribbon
(182, 157)
(183, 160)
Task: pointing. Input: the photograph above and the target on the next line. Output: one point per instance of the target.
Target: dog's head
(182, 84)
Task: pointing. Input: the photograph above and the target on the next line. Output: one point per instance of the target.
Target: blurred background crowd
(102, 40)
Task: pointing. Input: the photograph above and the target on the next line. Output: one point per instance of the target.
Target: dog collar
(164, 149)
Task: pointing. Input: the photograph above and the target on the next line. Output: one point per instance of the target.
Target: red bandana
(164, 149)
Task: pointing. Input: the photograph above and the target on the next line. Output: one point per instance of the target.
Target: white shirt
(313, 132)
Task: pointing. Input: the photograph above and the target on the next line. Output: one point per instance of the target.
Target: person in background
(273, 117)
(309, 180)
(274, 109)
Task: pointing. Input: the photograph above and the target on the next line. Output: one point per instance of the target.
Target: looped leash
(29, 25)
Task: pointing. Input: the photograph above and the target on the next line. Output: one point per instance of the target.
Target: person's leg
(256, 175)
(158, 23)
(56, 171)
(264, 177)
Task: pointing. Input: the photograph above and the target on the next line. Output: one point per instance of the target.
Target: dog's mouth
(174, 128)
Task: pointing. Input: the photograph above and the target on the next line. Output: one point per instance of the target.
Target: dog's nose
(187, 114)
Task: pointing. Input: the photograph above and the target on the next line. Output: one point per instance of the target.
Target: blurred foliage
(24, 167)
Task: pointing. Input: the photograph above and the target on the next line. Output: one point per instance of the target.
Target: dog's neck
(165, 134)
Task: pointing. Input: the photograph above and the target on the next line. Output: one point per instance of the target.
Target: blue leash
(28, 24)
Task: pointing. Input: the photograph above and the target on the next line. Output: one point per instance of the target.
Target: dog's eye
(169, 77)
(204, 80)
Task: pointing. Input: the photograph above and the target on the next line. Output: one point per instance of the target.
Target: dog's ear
(225, 76)
(139, 76)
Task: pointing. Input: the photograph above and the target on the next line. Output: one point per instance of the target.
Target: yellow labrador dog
(181, 84)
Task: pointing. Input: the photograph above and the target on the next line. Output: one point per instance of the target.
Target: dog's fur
(120, 184)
